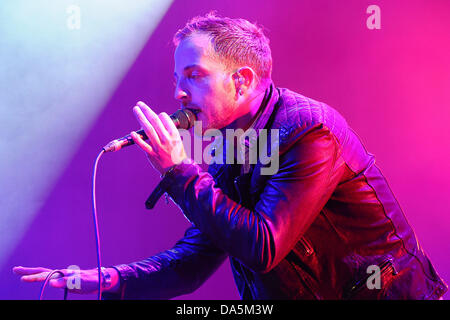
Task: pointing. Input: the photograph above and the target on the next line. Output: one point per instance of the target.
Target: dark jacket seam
(394, 227)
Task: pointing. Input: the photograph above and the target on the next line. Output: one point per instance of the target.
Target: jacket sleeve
(290, 201)
(180, 270)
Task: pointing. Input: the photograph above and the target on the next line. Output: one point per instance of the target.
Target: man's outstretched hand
(88, 278)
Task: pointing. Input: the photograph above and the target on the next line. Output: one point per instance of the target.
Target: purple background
(392, 85)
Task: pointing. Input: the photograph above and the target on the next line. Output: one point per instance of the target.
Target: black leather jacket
(309, 231)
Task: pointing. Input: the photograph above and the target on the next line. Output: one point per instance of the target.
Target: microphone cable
(97, 240)
(97, 236)
(47, 279)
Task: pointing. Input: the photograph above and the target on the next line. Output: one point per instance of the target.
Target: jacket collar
(262, 117)
(265, 111)
(267, 107)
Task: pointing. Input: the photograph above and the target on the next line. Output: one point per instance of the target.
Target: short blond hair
(236, 42)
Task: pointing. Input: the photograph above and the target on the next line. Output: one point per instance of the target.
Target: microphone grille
(183, 119)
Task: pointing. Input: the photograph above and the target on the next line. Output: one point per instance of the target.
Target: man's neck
(254, 104)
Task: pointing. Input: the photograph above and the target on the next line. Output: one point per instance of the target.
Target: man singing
(325, 225)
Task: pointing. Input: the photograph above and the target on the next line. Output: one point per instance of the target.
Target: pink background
(392, 86)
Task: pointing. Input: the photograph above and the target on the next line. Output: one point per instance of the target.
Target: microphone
(182, 118)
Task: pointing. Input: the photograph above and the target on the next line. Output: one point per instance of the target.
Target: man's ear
(244, 78)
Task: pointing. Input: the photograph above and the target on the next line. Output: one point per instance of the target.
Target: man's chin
(208, 129)
(207, 132)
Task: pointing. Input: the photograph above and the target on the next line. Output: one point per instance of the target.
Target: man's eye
(195, 75)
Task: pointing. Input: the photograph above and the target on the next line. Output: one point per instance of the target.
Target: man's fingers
(147, 126)
(141, 143)
(155, 121)
(58, 283)
(36, 274)
(169, 125)
(25, 270)
(38, 277)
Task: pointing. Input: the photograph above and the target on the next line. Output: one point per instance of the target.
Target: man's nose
(181, 94)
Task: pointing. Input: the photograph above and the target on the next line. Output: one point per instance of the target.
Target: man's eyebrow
(188, 67)
(191, 67)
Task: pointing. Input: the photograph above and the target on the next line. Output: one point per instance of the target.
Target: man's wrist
(170, 169)
(167, 171)
(111, 279)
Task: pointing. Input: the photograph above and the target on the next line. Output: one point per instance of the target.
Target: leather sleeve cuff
(177, 181)
(174, 183)
(125, 273)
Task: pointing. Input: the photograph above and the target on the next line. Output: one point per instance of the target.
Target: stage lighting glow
(60, 62)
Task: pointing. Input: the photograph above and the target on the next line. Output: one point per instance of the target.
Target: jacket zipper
(308, 248)
(236, 180)
(384, 267)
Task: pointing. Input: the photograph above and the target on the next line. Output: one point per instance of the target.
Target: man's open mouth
(194, 111)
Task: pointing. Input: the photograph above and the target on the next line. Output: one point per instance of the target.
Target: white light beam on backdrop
(59, 63)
